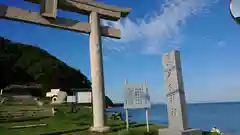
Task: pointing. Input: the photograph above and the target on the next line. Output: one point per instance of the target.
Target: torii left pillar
(96, 61)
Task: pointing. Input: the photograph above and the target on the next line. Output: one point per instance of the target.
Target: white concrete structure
(53, 92)
(57, 96)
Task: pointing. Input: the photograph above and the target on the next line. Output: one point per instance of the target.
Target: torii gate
(95, 11)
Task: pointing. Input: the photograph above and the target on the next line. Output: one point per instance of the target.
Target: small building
(82, 95)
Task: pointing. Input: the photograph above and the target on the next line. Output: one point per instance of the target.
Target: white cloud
(221, 43)
(161, 29)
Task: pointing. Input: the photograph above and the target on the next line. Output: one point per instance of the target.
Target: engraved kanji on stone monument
(176, 104)
(174, 91)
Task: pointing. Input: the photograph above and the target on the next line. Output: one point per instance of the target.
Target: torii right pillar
(176, 103)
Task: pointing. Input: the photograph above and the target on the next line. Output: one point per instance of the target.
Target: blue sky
(202, 30)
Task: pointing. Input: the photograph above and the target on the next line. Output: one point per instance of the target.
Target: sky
(202, 30)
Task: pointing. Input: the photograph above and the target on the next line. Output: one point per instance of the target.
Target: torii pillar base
(100, 129)
(168, 131)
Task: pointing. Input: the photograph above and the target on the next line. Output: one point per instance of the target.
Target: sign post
(127, 122)
(126, 110)
(146, 109)
(147, 123)
(136, 96)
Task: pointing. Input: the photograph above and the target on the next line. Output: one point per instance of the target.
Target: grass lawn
(67, 123)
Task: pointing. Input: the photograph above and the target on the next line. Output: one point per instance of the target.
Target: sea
(225, 116)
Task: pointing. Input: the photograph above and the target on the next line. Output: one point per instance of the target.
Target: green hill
(27, 64)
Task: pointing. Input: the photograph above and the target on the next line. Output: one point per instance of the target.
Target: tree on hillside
(26, 64)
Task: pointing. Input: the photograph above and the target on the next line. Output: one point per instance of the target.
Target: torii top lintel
(107, 12)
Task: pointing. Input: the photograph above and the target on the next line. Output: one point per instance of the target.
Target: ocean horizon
(200, 102)
(224, 115)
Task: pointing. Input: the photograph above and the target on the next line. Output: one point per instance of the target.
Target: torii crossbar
(95, 11)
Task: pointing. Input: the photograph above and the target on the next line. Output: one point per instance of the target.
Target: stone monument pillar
(98, 97)
(176, 103)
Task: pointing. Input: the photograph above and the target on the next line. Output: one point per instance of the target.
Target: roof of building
(34, 90)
